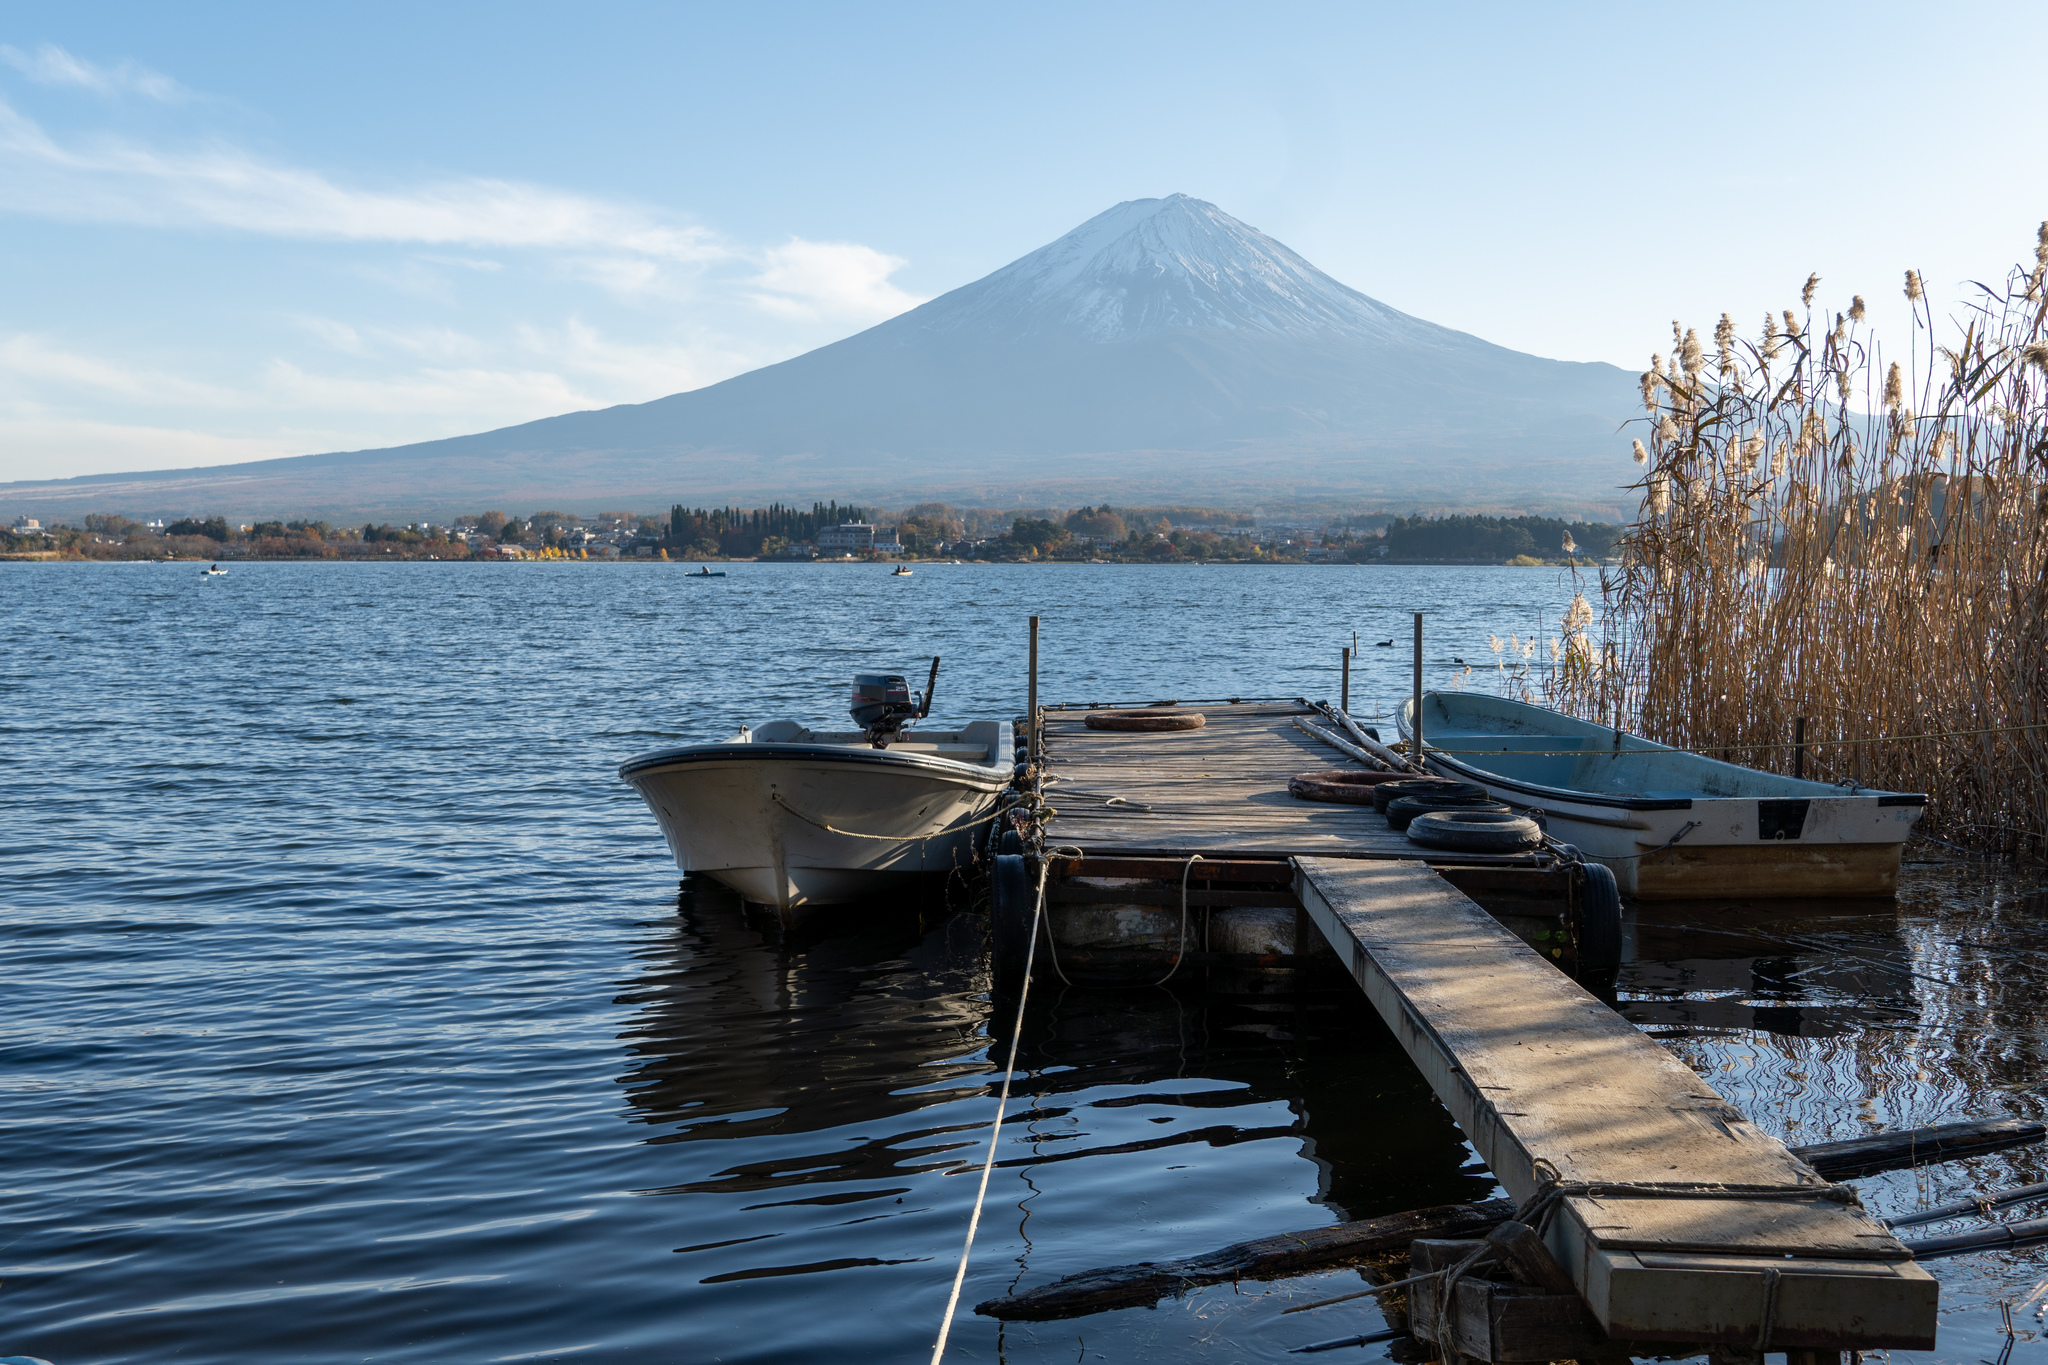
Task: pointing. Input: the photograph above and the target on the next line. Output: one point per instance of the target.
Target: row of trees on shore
(781, 531)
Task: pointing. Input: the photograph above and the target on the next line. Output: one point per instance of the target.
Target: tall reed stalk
(1828, 533)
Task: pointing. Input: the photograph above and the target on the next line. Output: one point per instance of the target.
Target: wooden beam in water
(1290, 1253)
(1908, 1147)
(1315, 1249)
(1552, 1088)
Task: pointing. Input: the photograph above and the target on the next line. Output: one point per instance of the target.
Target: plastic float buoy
(1388, 792)
(1403, 809)
(1147, 719)
(1475, 831)
(1351, 787)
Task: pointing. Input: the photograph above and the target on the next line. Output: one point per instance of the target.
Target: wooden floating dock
(1218, 791)
(1554, 1089)
(1680, 1225)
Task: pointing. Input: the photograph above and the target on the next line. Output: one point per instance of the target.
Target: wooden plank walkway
(1219, 789)
(1548, 1083)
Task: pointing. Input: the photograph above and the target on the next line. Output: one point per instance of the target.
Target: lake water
(349, 1013)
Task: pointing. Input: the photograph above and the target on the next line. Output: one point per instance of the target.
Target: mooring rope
(1002, 1103)
(1554, 1190)
(1182, 956)
(776, 797)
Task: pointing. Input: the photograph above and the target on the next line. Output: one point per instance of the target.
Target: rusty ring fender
(1145, 720)
(1351, 787)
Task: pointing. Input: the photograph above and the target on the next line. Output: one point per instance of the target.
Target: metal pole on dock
(1799, 746)
(1344, 704)
(1031, 696)
(1417, 731)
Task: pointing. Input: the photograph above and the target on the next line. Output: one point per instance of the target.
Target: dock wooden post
(1416, 733)
(1031, 696)
(1557, 1092)
(1344, 693)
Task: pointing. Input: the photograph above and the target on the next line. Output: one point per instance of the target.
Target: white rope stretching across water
(1002, 1102)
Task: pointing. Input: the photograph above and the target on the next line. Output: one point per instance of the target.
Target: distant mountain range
(1163, 351)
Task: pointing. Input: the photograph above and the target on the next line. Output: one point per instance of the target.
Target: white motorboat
(789, 816)
(1673, 825)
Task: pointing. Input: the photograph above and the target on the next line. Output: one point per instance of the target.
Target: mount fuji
(1161, 351)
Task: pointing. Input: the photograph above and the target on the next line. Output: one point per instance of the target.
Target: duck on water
(1673, 825)
(790, 816)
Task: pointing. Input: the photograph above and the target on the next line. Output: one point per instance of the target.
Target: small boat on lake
(1673, 825)
(215, 572)
(902, 571)
(789, 816)
(705, 571)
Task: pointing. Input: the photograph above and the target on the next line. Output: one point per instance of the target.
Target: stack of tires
(1455, 817)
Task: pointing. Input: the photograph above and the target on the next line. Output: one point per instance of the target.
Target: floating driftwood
(1975, 1204)
(1906, 1147)
(1999, 1236)
(1290, 1253)
(1296, 1253)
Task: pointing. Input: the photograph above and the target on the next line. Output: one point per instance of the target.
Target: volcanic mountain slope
(1161, 350)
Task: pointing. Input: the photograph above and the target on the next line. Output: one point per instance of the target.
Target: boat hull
(1671, 825)
(792, 825)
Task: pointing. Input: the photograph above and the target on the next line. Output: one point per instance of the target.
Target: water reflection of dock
(879, 1030)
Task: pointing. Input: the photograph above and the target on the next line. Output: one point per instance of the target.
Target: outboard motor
(882, 704)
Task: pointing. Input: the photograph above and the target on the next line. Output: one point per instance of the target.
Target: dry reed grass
(1879, 572)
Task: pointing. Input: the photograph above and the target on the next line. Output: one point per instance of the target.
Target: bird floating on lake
(1386, 644)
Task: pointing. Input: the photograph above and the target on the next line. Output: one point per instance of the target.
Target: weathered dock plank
(1553, 1088)
(1219, 789)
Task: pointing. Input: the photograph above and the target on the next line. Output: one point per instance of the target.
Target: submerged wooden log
(1296, 1253)
(2031, 1232)
(1918, 1147)
(1290, 1253)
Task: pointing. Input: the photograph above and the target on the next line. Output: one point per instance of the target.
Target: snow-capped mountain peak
(1150, 265)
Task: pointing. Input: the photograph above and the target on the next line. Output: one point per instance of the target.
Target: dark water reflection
(349, 1014)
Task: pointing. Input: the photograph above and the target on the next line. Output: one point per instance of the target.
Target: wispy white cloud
(32, 365)
(831, 281)
(119, 180)
(52, 65)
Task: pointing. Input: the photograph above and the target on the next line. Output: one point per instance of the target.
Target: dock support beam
(1707, 1229)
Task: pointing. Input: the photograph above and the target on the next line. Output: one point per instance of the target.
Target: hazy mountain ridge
(1162, 348)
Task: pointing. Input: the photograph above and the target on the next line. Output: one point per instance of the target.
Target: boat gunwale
(1876, 795)
(641, 765)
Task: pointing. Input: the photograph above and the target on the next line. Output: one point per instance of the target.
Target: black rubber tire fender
(1599, 928)
(1405, 808)
(1476, 831)
(1388, 792)
(1013, 898)
(1149, 719)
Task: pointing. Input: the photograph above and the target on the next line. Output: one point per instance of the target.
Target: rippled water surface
(350, 1012)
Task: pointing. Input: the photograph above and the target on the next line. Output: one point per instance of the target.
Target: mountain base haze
(1162, 350)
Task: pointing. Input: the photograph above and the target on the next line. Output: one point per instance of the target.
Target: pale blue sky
(235, 231)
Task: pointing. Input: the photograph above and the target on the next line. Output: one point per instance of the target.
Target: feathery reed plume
(1690, 355)
(1888, 580)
